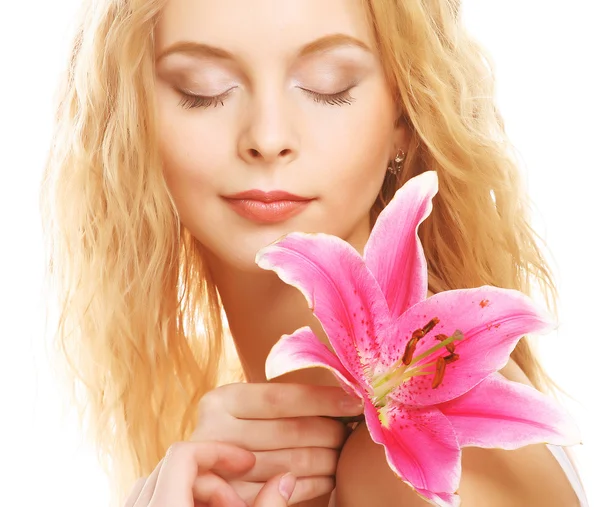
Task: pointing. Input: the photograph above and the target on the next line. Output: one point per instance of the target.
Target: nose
(268, 136)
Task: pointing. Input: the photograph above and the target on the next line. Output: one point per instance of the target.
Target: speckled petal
(302, 349)
(492, 321)
(498, 413)
(420, 446)
(341, 291)
(394, 253)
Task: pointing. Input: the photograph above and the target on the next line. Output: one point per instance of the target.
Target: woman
(183, 128)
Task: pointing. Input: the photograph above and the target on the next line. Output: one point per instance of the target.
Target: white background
(547, 55)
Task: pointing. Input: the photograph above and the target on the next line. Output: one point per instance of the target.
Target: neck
(260, 308)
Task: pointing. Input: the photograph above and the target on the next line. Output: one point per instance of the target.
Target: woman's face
(291, 97)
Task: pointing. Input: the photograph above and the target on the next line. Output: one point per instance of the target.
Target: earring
(396, 165)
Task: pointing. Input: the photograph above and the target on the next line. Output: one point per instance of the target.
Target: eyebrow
(321, 45)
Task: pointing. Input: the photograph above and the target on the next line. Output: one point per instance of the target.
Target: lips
(261, 195)
(267, 207)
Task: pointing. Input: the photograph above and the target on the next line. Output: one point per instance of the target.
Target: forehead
(260, 27)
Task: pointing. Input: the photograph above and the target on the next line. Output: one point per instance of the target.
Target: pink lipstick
(267, 207)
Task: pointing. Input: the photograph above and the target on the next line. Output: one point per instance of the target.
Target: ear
(401, 137)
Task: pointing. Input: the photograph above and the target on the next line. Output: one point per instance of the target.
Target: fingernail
(353, 406)
(286, 486)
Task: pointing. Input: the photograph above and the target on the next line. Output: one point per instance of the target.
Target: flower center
(406, 367)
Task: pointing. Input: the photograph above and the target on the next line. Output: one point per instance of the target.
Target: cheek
(194, 160)
(343, 156)
(193, 157)
(197, 164)
(186, 156)
(356, 152)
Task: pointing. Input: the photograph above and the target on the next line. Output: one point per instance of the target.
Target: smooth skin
(288, 427)
(526, 477)
(285, 112)
(186, 477)
(279, 110)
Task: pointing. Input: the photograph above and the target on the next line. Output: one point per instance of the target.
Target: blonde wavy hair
(140, 334)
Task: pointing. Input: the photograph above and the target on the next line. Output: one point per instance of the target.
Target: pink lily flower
(426, 368)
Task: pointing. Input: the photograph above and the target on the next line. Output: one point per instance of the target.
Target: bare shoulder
(531, 473)
(529, 476)
(363, 478)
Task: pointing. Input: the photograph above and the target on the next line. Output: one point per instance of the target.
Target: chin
(233, 245)
(238, 251)
(242, 261)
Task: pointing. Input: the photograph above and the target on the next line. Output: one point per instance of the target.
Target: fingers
(181, 466)
(307, 488)
(276, 492)
(213, 491)
(135, 492)
(275, 401)
(147, 491)
(287, 433)
(301, 462)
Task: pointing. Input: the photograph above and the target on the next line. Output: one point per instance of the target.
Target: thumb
(276, 492)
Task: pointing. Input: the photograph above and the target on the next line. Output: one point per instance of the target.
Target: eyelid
(187, 79)
(337, 91)
(193, 100)
(324, 80)
(187, 91)
(202, 83)
(334, 71)
(333, 99)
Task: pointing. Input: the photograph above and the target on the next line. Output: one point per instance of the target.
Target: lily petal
(440, 499)
(492, 321)
(394, 253)
(420, 446)
(508, 415)
(303, 349)
(341, 291)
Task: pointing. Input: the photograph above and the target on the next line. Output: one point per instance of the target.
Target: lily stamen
(416, 336)
(450, 347)
(457, 335)
(411, 346)
(400, 372)
(430, 325)
(440, 368)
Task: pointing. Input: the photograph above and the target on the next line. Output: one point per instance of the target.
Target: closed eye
(191, 101)
(333, 99)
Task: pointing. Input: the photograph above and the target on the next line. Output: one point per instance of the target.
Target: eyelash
(190, 101)
(332, 99)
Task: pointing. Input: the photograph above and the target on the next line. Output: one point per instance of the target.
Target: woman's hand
(186, 478)
(283, 425)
